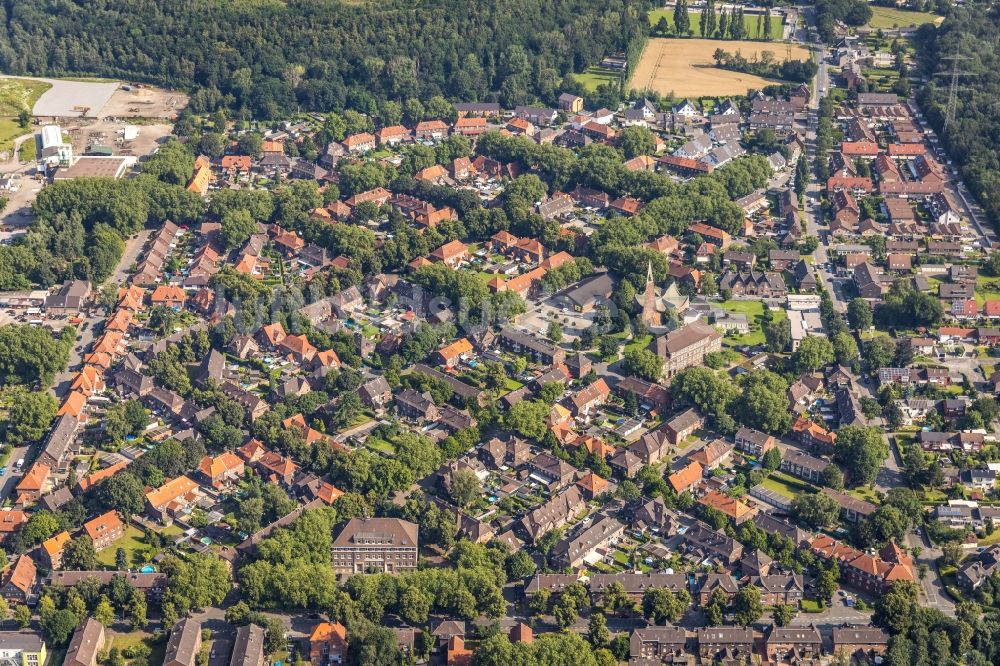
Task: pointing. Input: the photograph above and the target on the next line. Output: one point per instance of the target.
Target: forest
(271, 58)
(973, 140)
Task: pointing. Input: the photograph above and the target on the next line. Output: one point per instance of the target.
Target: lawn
(593, 77)
(787, 485)
(812, 606)
(889, 17)
(749, 22)
(990, 539)
(987, 289)
(132, 542)
(753, 310)
(638, 343)
(864, 493)
(9, 130)
(157, 648)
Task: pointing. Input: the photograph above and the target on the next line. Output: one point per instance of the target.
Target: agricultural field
(685, 67)
(749, 22)
(889, 17)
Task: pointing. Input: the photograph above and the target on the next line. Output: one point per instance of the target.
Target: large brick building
(386, 545)
(686, 347)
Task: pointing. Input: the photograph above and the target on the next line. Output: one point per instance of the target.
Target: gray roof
(248, 649)
(87, 641)
(182, 648)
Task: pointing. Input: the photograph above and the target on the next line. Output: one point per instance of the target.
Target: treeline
(973, 139)
(81, 225)
(268, 59)
(851, 12)
(801, 71)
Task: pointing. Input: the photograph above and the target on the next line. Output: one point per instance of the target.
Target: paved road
(935, 596)
(11, 478)
(86, 334)
(812, 210)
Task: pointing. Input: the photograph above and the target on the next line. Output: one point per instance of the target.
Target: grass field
(749, 22)
(987, 289)
(595, 76)
(753, 310)
(132, 542)
(28, 150)
(786, 485)
(889, 17)
(685, 67)
(17, 94)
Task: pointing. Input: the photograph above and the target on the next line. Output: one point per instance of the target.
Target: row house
(803, 465)
(635, 584)
(754, 442)
(554, 513)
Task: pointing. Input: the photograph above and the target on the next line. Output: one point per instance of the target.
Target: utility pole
(955, 73)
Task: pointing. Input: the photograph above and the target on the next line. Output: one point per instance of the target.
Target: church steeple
(650, 316)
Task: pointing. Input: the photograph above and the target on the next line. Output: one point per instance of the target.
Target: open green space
(750, 23)
(18, 94)
(753, 310)
(157, 646)
(787, 485)
(890, 17)
(10, 130)
(987, 289)
(28, 150)
(593, 77)
(132, 542)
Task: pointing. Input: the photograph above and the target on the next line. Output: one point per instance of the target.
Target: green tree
(123, 492)
(29, 416)
(772, 459)
(845, 348)
(635, 141)
(817, 510)
(861, 451)
(555, 332)
(859, 314)
(465, 487)
(814, 352)
(643, 363)
(747, 607)
(22, 616)
(104, 612)
(79, 554)
(597, 630)
(879, 352)
(783, 614)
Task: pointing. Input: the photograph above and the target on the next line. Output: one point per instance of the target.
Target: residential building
(248, 648)
(22, 648)
(554, 513)
(17, 582)
(87, 641)
(658, 645)
(184, 644)
(785, 645)
(328, 644)
(754, 442)
(105, 529)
